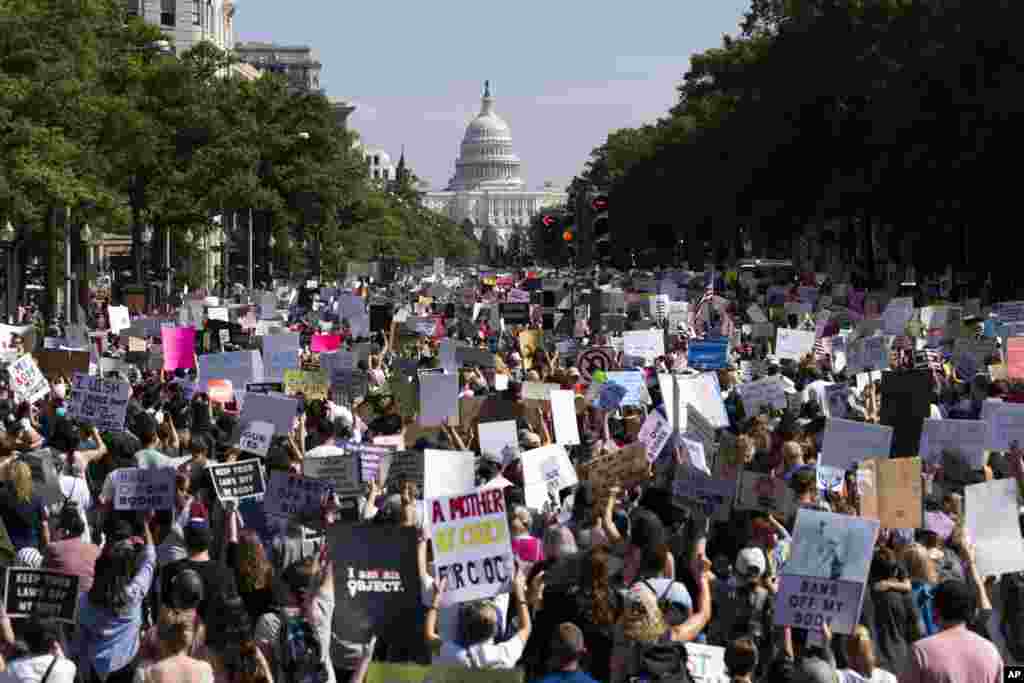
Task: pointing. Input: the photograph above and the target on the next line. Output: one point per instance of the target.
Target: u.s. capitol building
(487, 187)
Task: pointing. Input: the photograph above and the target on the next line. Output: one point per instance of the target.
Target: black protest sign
(376, 583)
(469, 355)
(265, 388)
(40, 594)
(238, 480)
(906, 402)
(515, 314)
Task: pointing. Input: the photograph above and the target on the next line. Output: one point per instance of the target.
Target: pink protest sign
(179, 347)
(325, 342)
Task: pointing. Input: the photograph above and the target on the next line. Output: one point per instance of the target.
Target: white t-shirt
(448, 617)
(32, 669)
(877, 676)
(486, 655)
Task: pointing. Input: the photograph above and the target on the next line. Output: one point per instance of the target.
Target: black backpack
(301, 660)
(662, 663)
(1011, 593)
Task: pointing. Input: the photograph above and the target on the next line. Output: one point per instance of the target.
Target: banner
(99, 402)
(41, 594)
(339, 471)
(312, 385)
(472, 546)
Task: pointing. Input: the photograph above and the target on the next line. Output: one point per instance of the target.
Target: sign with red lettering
(472, 545)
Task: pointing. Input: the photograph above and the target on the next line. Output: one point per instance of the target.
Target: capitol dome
(486, 159)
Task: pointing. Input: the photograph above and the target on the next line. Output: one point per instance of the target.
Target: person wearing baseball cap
(566, 651)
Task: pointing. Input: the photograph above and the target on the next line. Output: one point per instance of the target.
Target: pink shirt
(528, 549)
(954, 655)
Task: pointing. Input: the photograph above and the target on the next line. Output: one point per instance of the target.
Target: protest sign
(707, 355)
(991, 521)
(472, 545)
(27, 381)
(635, 384)
(376, 582)
(713, 496)
(255, 437)
(312, 385)
(143, 489)
(546, 471)
(764, 493)
(968, 438)
(890, 491)
(238, 480)
(341, 471)
(626, 467)
(655, 434)
(295, 496)
(379, 672)
(823, 580)
(179, 345)
(767, 392)
(238, 367)
(41, 594)
(99, 402)
(706, 663)
(563, 414)
(847, 443)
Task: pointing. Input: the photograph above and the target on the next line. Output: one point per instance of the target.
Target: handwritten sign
(99, 402)
(472, 545)
(238, 480)
(294, 496)
(27, 381)
(311, 384)
(137, 488)
(341, 471)
(255, 437)
(41, 594)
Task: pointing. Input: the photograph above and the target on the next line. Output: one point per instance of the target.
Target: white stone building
(189, 22)
(487, 188)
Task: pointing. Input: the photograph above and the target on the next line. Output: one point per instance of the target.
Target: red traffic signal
(568, 235)
(599, 203)
(548, 221)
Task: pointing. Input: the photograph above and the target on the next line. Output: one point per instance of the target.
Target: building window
(132, 8)
(376, 160)
(376, 173)
(167, 8)
(197, 13)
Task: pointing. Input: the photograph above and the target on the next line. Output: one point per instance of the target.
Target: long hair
(115, 568)
(176, 630)
(599, 609)
(254, 569)
(21, 477)
(642, 621)
(230, 636)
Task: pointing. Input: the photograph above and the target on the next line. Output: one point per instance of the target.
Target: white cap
(751, 563)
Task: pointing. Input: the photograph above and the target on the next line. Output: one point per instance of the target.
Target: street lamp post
(250, 254)
(188, 263)
(8, 237)
(146, 237)
(68, 275)
(167, 261)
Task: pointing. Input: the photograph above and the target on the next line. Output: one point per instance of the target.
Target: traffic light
(548, 221)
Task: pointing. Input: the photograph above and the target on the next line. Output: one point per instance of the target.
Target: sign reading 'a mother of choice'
(472, 545)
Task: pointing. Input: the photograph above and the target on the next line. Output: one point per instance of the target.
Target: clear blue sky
(564, 72)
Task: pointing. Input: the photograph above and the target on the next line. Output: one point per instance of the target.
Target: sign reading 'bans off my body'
(472, 546)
